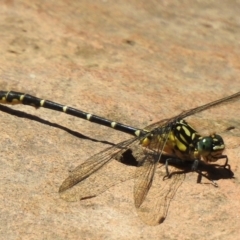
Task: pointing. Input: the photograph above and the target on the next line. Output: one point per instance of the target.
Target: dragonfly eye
(211, 144)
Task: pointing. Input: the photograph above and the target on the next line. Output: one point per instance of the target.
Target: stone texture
(135, 62)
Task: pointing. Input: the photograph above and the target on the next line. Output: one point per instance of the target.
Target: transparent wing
(154, 208)
(143, 179)
(95, 175)
(147, 166)
(225, 100)
(187, 113)
(157, 124)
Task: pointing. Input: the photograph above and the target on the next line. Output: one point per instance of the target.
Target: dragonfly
(155, 181)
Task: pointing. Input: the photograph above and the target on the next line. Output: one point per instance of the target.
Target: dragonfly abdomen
(13, 98)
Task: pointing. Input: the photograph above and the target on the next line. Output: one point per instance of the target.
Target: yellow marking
(113, 124)
(3, 100)
(89, 116)
(186, 130)
(220, 147)
(7, 94)
(22, 97)
(137, 133)
(42, 103)
(183, 138)
(65, 108)
(145, 142)
(14, 101)
(196, 154)
(182, 122)
(171, 137)
(170, 144)
(179, 128)
(180, 145)
(193, 136)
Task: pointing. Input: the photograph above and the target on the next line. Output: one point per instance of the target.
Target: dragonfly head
(211, 147)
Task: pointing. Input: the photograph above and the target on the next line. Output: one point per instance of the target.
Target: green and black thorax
(183, 141)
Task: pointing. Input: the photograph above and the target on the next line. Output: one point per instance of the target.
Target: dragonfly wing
(158, 124)
(152, 206)
(155, 206)
(143, 178)
(147, 166)
(94, 176)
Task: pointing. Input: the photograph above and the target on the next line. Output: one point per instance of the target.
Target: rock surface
(135, 62)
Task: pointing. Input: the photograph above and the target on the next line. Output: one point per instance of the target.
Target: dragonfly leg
(195, 165)
(194, 168)
(200, 175)
(226, 165)
(171, 161)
